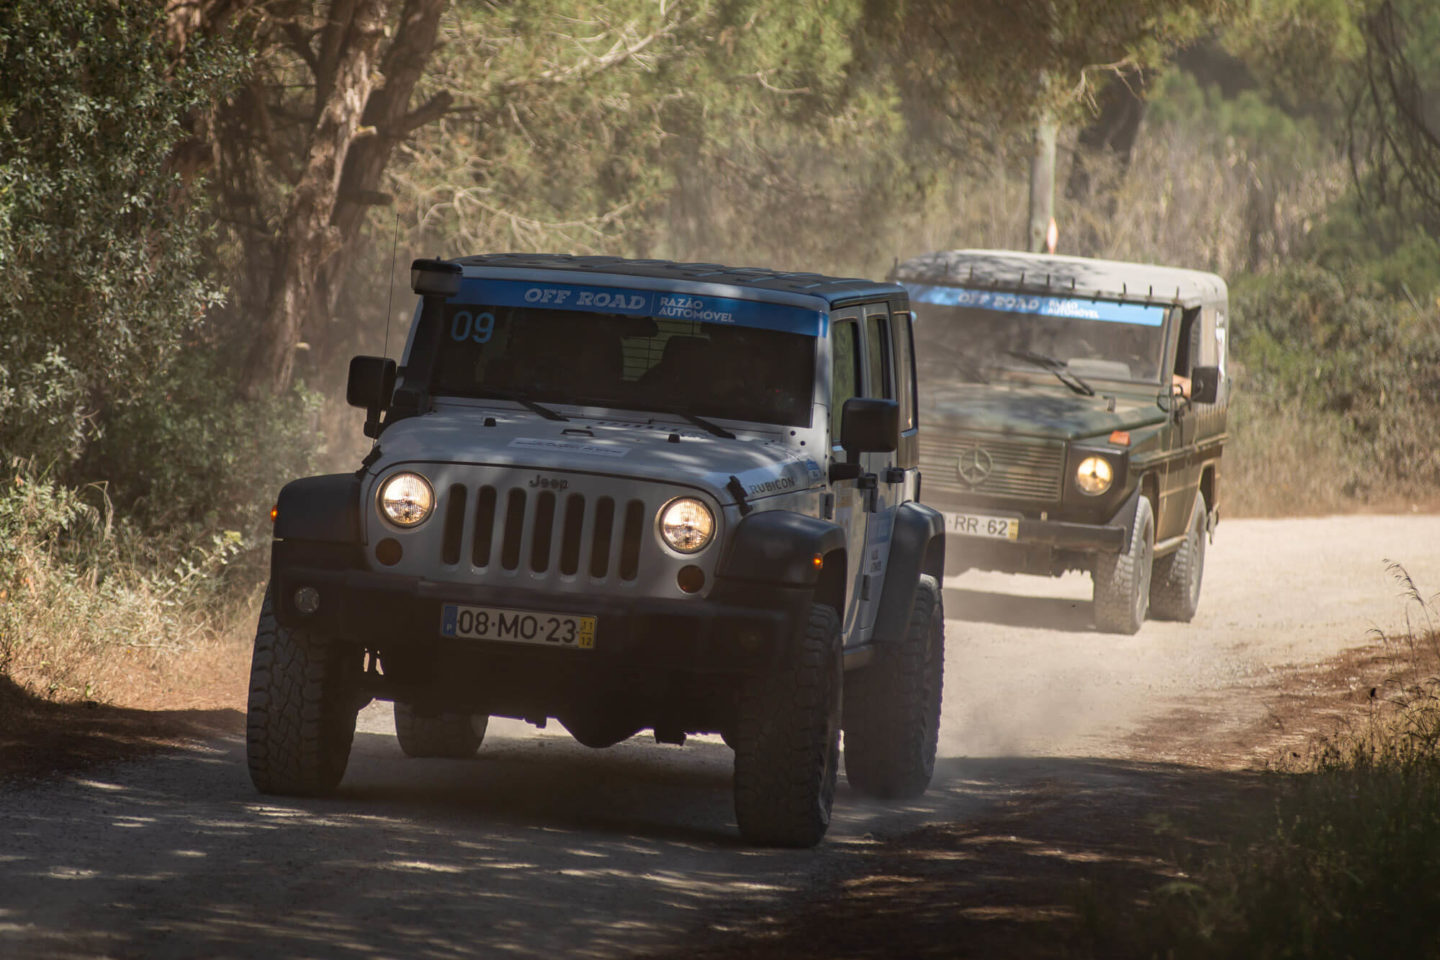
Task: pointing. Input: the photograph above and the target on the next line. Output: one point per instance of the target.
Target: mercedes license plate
(517, 626)
(983, 525)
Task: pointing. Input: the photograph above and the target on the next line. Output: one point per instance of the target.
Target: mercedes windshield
(974, 335)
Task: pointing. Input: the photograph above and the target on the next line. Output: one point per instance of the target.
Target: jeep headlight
(406, 499)
(1094, 476)
(686, 525)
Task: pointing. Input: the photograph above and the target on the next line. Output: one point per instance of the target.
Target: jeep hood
(619, 447)
(1037, 411)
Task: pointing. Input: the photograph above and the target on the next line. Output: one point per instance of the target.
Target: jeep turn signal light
(274, 512)
(1120, 437)
(818, 561)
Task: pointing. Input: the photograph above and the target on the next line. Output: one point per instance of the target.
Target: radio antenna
(390, 300)
(389, 312)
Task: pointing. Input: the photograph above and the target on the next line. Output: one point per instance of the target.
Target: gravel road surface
(543, 848)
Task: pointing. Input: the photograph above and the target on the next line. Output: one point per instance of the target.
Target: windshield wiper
(530, 405)
(1061, 371)
(714, 428)
(620, 404)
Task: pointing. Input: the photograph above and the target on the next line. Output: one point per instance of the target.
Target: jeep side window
(877, 336)
(845, 373)
(905, 370)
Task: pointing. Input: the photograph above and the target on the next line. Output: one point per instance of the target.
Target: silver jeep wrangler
(625, 494)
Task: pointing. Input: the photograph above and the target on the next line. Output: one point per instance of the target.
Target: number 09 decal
(466, 326)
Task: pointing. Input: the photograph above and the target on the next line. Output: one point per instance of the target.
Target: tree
(1394, 122)
(101, 245)
(993, 69)
(299, 151)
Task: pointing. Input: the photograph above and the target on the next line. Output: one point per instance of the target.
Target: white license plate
(983, 525)
(517, 626)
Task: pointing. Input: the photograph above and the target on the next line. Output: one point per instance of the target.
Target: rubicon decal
(778, 485)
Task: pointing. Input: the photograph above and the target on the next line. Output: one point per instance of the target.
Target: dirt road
(543, 848)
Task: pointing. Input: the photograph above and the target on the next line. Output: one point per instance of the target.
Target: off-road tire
(455, 736)
(892, 706)
(1122, 580)
(787, 741)
(1175, 589)
(301, 716)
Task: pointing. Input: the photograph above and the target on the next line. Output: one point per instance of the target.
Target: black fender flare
(1125, 516)
(324, 509)
(917, 547)
(780, 547)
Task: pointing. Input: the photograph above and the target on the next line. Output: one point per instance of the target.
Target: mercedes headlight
(1094, 476)
(686, 525)
(406, 499)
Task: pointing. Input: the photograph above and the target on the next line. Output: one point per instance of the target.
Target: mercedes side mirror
(869, 425)
(1205, 384)
(371, 381)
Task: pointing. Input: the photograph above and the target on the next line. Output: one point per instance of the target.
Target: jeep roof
(1035, 272)
(777, 286)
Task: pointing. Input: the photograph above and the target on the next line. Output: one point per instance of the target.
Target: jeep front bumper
(739, 628)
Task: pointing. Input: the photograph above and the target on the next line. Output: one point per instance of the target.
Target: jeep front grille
(1023, 469)
(545, 531)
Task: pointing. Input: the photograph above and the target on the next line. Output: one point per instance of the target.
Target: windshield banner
(1076, 308)
(661, 304)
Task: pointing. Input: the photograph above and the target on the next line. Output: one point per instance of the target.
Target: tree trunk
(1042, 182)
(308, 237)
(388, 112)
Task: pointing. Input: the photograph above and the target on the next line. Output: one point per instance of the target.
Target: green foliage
(189, 459)
(1378, 251)
(100, 275)
(1306, 338)
(1303, 51)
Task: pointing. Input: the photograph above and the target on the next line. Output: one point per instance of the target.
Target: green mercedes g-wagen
(1075, 417)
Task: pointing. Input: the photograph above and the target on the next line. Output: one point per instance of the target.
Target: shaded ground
(40, 738)
(1063, 868)
(1079, 773)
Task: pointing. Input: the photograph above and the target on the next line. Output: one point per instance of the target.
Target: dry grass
(91, 610)
(1345, 861)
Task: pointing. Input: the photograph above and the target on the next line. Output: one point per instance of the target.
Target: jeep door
(847, 380)
(884, 476)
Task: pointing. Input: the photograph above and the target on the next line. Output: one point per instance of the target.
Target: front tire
(892, 706)
(1122, 580)
(455, 736)
(300, 721)
(787, 741)
(1175, 591)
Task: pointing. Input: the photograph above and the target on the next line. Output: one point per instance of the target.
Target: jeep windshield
(973, 334)
(685, 367)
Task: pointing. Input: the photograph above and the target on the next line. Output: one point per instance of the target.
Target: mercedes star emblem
(973, 466)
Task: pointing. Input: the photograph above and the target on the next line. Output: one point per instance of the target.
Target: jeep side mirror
(1205, 384)
(371, 381)
(869, 425)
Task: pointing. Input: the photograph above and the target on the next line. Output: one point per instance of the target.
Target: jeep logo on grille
(973, 466)
(549, 483)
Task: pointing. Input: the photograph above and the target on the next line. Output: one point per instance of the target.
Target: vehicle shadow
(546, 849)
(1013, 610)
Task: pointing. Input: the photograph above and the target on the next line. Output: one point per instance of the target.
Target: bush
(191, 458)
(79, 585)
(100, 253)
(1348, 863)
(1361, 366)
